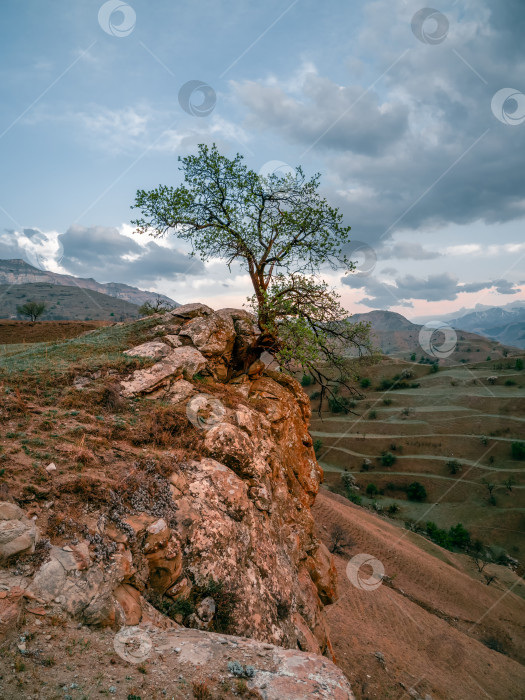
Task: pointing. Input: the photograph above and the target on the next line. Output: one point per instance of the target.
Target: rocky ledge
(228, 544)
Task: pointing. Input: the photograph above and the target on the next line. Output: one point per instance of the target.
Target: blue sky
(392, 106)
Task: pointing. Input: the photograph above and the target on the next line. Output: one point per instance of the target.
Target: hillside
(66, 303)
(19, 272)
(395, 335)
(163, 533)
(431, 628)
(426, 421)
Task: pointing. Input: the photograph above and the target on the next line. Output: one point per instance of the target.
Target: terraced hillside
(452, 431)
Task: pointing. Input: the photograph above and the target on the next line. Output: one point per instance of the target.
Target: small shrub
(339, 540)
(372, 490)
(365, 382)
(453, 466)
(387, 401)
(510, 382)
(201, 691)
(416, 491)
(388, 459)
(393, 509)
(519, 364)
(317, 446)
(372, 415)
(517, 450)
(307, 380)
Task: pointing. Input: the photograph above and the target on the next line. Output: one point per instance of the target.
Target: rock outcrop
(227, 544)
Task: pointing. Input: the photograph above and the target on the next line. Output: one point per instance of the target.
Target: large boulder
(181, 362)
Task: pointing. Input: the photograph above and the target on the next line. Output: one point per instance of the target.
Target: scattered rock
(191, 311)
(180, 362)
(154, 349)
(18, 534)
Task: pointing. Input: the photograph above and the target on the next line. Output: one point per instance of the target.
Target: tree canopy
(282, 232)
(32, 309)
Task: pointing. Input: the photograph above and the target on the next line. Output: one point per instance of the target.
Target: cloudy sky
(414, 118)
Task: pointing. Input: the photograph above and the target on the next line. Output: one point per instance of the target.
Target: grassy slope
(73, 303)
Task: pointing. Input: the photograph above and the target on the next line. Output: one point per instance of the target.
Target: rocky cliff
(215, 535)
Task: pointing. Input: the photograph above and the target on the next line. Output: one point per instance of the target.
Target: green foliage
(372, 415)
(393, 508)
(388, 459)
(453, 466)
(32, 310)
(456, 537)
(517, 450)
(281, 231)
(372, 490)
(365, 382)
(317, 446)
(434, 367)
(413, 357)
(158, 306)
(307, 379)
(339, 404)
(519, 364)
(416, 491)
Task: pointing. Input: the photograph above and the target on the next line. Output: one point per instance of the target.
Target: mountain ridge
(17, 271)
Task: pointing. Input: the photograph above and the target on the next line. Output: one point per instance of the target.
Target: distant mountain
(506, 325)
(20, 272)
(65, 303)
(395, 335)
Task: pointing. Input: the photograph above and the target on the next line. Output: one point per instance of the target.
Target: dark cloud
(325, 116)
(422, 146)
(109, 256)
(440, 287)
(407, 251)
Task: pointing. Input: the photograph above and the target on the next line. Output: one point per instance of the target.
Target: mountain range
(19, 272)
(395, 335)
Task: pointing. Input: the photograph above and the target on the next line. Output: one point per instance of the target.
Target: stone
(213, 335)
(191, 311)
(129, 600)
(173, 340)
(179, 391)
(51, 467)
(18, 534)
(230, 445)
(181, 362)
(206, 609)
(154, 349)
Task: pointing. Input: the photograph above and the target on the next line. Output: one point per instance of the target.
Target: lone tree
(32, 309)
(149, 308)
(282, 232)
